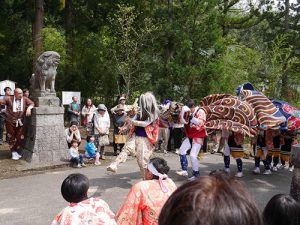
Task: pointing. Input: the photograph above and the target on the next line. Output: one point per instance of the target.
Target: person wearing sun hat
(119, 134)
(122, 101)
(101, 129)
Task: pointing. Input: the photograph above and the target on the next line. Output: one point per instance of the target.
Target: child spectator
(82, 210)
(90, 150)
(75, 158)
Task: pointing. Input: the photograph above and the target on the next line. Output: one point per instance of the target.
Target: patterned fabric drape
(291, 114)
(268, 116)
(224, 111)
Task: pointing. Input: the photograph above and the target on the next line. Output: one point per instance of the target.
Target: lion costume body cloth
(268, 116)
(226, 112)
(243, 114)
(291, 114)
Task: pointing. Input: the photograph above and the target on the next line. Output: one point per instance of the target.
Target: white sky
(257, 1)
(244, 3)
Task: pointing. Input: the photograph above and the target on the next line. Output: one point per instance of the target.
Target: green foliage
(237, 64)
(281, 62)
(177, 49)
(54, 40)
(128, 41)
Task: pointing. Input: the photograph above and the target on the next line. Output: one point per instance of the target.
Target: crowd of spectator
(208, 200)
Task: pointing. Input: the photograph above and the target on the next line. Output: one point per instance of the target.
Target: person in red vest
(193, 118)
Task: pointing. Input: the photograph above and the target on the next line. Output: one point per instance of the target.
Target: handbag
(120, 138)
(103, 140)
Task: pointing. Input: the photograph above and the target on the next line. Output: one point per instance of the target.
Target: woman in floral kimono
(82, 210)
(146, 198)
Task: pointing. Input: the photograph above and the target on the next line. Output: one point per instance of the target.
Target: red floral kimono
(90, 211)
(144, 203)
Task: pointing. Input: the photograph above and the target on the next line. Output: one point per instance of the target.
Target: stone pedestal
(45, 141)
(46, 101)
(295, 185)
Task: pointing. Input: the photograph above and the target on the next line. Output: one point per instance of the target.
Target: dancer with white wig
(143, 134)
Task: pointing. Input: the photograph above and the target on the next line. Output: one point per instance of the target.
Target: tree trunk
(224, 25)
(285, 90)
(69, 27)
(37, 27)
(287, 15)
(170, 45)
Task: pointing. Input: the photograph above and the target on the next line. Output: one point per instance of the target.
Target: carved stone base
(295, 185)
(38, 93)
(45, 140)
(46, 101)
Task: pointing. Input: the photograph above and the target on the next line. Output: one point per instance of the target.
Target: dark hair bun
(160, 165)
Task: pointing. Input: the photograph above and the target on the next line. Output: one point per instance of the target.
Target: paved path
(36, 199)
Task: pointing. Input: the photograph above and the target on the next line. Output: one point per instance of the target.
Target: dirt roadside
(11, 168)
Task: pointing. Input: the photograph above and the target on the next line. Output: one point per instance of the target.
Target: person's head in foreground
(82, 210)
(282, 209)
(75, 187)
(211, 200)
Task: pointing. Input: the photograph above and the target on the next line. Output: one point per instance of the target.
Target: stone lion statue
(45, 72)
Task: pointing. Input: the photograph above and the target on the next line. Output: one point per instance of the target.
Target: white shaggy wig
(148, 106)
